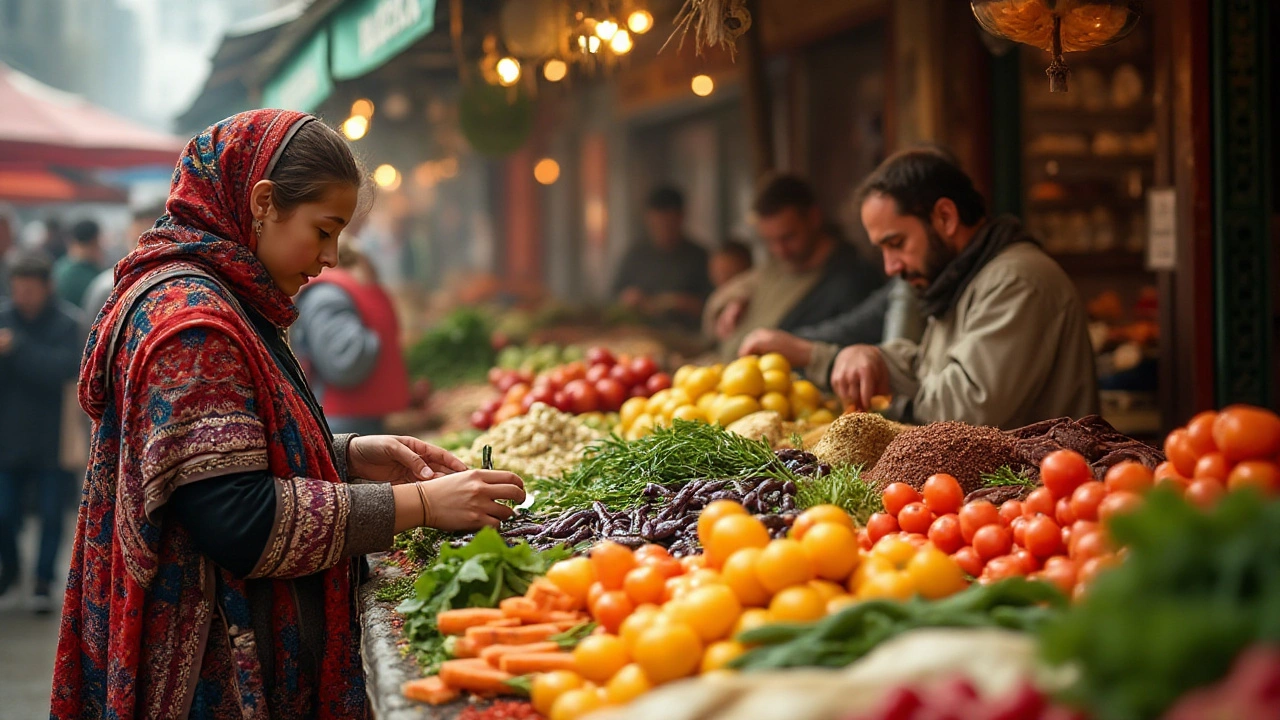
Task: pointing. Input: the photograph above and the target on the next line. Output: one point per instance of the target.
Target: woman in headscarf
(218, 548)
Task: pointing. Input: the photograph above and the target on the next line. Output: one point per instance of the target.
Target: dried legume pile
(1091, 436)
(857, 439)
(542, 443)
(965, 451)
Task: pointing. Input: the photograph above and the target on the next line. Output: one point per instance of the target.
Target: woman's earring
(257, 228)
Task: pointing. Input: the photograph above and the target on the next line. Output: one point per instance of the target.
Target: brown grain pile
(965, 451)
(857, 439)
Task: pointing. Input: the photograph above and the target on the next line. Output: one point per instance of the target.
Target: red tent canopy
(28, 184)
(39, 124)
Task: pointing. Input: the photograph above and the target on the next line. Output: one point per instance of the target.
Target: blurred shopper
(95, 296)
(664, 276)
(1007, 340)
(220, 537)
(812, 275)
(75, 271)
(349, 337)
(40, 347)
(730, 260)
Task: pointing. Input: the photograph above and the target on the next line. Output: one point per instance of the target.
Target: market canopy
(359, 37)
(27, 184)
(39, 124)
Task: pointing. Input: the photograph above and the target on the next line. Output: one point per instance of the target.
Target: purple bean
(789, 487)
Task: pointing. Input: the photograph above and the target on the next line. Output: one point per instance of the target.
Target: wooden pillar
(755, 97)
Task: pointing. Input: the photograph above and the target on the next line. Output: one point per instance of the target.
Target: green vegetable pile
(456, 351)
(844, 488)
(483, 573)
(1196, 589)
(840, 639)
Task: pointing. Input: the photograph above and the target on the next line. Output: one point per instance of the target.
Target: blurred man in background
(40, 346)
(665, 276)
(73, 272)
(95, 296)
(730, 260)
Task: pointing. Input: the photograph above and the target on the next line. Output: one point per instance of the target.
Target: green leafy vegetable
(842, 487)
(482, 573)
(1196, 589)
(395, 590)
(456, 351)
(1007, 477)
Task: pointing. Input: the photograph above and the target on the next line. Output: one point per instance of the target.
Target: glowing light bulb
(640, 22)
(362, 108)
(702, 85)
(387, 177)
(593, 44)
(555, 70)
(547, 171)
(621, 43)
(355, 127)
(508, 71)
(606, 29)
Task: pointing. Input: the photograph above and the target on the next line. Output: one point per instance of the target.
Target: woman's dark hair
(779, 192)
(918, 178)
(315, 160)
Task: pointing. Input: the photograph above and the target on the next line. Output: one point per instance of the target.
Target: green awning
(303, 82)
(368, 33)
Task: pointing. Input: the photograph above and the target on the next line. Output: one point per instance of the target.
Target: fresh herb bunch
(396, 590)
(615, 471)
(1196, 589)
(1008, 477)
(482, 573)
(456, 351)
(842, 487)
(420, 545)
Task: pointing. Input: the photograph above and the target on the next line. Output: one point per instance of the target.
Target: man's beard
(937, 257)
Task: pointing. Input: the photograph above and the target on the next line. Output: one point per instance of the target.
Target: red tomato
(1180, 451)
(1088, 545)
(1030, 563)
(1244, 432)
(1204, 492)
(643, 368)
(1043, 537)
(881, 524)
(1164, 470)
(657, 382)
(1010, 510)
(1062, 471)
(915, 518)
(1019, 529)
(943, 494)
(897, 496)
(1061, 572)
(1039, 502)
(1085, 500)
(611, 393)
(977, 514)
(992, 541)
(969, 561)
(864, 539)
(1128, 475)
(1118, 503)
(611, 608)
(1089, 569)
(945, 534)
(1255, 473)
(623, 375)
(1200, 433)
(999, 568)
(1214, 466)
(596, 373)
(1062, 511)
(600, 356)
(481, 420)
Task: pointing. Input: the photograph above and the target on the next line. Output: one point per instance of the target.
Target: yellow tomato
(775, 361)
(832, 549)
(711, 611)
(656, 401)
(750, 619)
(894, 549)
(890, 585)
(577, 703)
(821, 416)
(682, 375)
(739, 574)
(743, 377)
(708, 403)
(641, 619)
(668, 652)
(734, 408)
(701, 577)
(782, 564)
(820, 514)
(632, 409)
(549, 686)
(826, 589)
(626, 685)
(777, 381)
(701, 381)
(840, 602)
(712, 513)
(733, 533)
(690, 412)
(776, 402)
(574, 576)
(807, 392)
(797, 604)
(598, 657)
(870, 565)
(719, 655)
(934, 574)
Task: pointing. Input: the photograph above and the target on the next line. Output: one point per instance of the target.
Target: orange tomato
(645, 584)
(897, 496)
(1090, 568)
(969, 561)
(1010, 510)
(575, 577)
(1062, 471)
(821, 514)
(1255, 473)
(597, 589)
(799, 603)
(1244, 432)
(733, 533)
(1040, 501)
(1118, 503)
(612, 562)
(1005, 566)
(1204, 492)
(1062, 511)
(1061, 572)
(992, 541)
(712, 513)
(1043, 536)
(739, 573)
(1200, 433)
(1085, 500)
(915, 518)
(1019, 528)
(1088, 545)
(832, 549)
(977, 514)
(945, 534)
(1176, 483)
(1180, 451)
(668, 652)
(1212, 465)
(651, 553)
(611, 608)
(943, 494)
(1128, 475)
(782, 564)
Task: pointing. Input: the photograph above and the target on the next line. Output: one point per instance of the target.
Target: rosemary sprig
(1007, 477)
(842, 487)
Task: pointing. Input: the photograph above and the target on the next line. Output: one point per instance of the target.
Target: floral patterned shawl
(150, 627)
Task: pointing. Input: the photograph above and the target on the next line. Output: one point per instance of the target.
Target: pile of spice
(1091, 436)
(965, 451)
(542, 443)
(857, 439)
(501, 710)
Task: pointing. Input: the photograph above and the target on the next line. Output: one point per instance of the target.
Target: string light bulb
(547, 171)
(621, 43)
(589, 43)
(355, 127)
(640, 22)
(606, 29)
(508, 69)
(702, 85)
(362, 108)
(387, 177)
(555, 70)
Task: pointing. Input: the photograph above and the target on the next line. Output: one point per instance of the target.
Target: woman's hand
(398, 459)
(463, 501)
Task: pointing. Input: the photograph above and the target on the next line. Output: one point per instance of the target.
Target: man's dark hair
(779, 192)
(31, 264)
(85, 232)
(666, 199)
(918, 178)
(737, 249)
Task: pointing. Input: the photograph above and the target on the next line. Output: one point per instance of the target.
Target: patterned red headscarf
(208, 224)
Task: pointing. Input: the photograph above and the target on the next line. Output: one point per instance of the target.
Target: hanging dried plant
(714, 22)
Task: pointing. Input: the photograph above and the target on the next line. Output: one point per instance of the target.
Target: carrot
(486, 635)
(525, 663)
(474, 675)
(576, 618)
(456, 622)
(505, 622)
(563, 625)
(431, 690)
(465, 647)
(547, 595)
(494, 653)
(524, 609)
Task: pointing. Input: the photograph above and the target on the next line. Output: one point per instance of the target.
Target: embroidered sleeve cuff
(310, 530)
(371, 524)
(341, 446)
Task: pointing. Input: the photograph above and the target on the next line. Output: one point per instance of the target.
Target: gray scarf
(990, 240)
